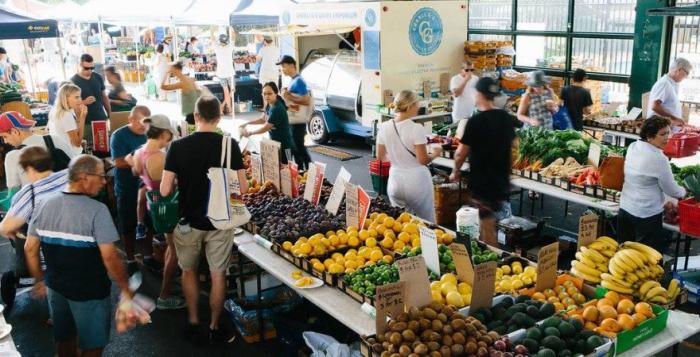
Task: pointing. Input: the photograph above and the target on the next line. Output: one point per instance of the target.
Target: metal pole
(63, 62)
(29, 64)
(102, 44)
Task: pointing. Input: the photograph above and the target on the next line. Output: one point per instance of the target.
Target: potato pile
(435, 330)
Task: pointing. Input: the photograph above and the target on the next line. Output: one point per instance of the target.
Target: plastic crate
(380, 183)
(682, 145)
(379, 168)
(689, 217)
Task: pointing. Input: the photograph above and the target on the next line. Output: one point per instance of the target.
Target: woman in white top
(648, 180)
(403, 143)
(67, 118)
(160, 69)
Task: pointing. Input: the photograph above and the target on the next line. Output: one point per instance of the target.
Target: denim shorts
(89, 320)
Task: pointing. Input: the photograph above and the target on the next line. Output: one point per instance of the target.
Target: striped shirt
(71, 227)
(22, 205)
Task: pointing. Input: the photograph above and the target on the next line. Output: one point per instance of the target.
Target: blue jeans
(89, 320)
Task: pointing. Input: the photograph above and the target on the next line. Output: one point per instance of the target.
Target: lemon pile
(350, 261)
(513, 277)
(399, 235)
(319, 244)
(449, 291)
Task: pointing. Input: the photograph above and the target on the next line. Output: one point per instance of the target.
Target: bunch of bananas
(635, 267)
(652, 291)
(592, 261)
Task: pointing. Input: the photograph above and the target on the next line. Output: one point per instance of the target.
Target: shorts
(228, 82)
(217, 248)
(497, 209)
(126, 213)
(89, 320)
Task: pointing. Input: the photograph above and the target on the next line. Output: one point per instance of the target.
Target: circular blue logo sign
(370, 17)
(286, 17)
(425, 31)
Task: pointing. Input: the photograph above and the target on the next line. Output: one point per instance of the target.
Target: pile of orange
(561, 296)
(612, 314)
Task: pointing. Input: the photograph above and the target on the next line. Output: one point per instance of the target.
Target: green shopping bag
(164, 211)
(6, 198)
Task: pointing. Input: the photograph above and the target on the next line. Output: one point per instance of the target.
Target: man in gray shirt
(76, 235)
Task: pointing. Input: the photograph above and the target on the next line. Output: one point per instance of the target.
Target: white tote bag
(222, 213)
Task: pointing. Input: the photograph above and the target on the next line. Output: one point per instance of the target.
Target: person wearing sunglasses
(663, 99)
(462, 87)
(92, 90)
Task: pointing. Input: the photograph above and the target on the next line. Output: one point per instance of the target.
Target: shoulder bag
(223, 182)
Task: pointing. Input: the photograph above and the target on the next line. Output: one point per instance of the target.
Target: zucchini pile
(9, 93)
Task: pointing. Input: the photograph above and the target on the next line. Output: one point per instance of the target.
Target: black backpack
(60, 159)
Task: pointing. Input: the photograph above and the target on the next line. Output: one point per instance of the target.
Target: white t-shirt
(224, 61)
(268, 68)
(61, 126)
(665, 90)
(411, 134)
(15, 175)
(465, 103)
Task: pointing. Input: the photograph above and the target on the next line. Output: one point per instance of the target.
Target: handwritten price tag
(389, 299)
(587, 229)
(484, 285)
(413, 272)
(429, 246)
(270, 152)
(463, 263)
(547, 266)
(338, 191)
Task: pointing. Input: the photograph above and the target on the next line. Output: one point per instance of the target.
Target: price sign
(314, 183)
(463, 263)
(294, 177)
(587, 229)
(429, 248)
(270, 152)
(547, 266)
(484, 285)
(413, 272)
(594, 154)
(286, 181)
(256, 167)
(338, 192)
(389, 299)
(352, 214)
(363, 202)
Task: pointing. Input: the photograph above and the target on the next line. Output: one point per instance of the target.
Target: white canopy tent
(231, 12)
(135, 12)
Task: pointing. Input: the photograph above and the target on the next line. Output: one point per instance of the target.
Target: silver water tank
(334, 78)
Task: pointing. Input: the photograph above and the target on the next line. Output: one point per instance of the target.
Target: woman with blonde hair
(403, 143)
(67, 118)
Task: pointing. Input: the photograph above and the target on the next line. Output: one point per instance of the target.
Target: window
(562, 35)
(602, 55)
(686, 44)
(540, 51)
(616, 16)
(491, 14)
(542, 15)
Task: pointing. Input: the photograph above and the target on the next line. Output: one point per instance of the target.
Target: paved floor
(163, 337)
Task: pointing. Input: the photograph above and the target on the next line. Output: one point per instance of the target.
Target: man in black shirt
(92, 90)
(487, 141)
(577, 99)
(188, 161)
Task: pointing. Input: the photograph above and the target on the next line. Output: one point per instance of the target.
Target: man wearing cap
(487, 141)
(267, 55)
(92, 90)
(15, 130)
(663, 100)
(125, 141)
(298, 99)
(223, 48)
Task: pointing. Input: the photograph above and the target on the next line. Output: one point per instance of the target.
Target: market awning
(302, 30)
(205, 12)
(135, 12)
(256, 13)
(14, 26)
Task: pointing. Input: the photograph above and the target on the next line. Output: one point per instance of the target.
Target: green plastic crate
(379, 183)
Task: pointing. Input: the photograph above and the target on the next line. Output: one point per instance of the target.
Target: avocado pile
(511, 315)
(557, 337)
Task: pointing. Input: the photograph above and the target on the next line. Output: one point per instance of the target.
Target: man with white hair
(663, 100)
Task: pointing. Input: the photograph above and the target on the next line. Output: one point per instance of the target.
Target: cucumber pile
(9, 93)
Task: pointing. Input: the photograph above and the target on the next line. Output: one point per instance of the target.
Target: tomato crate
(682, 145)
(689, 217)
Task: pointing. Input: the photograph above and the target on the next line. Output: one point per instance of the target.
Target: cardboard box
(647, 329)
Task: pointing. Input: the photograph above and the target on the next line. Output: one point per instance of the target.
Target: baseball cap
(223, 39)
(287, 59)
(9, 120)
(488, 87)
(160, 121)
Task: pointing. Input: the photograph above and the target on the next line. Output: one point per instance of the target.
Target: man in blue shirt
(123, 142)
(298, 99)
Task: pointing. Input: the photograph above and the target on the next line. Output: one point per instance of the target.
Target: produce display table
(329, 299)
(620, 136)
(680, 326)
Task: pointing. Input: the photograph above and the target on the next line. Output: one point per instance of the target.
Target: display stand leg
(532, 204)
(541, 203)
(678, 248)
(522, 197)
(566, 208)
(241, 281)
(261, 322)
(674, 350)
(687, 251)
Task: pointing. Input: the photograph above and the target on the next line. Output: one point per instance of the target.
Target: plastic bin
(682, 145)
(379, 183)
(689, 217)
(379, 168)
